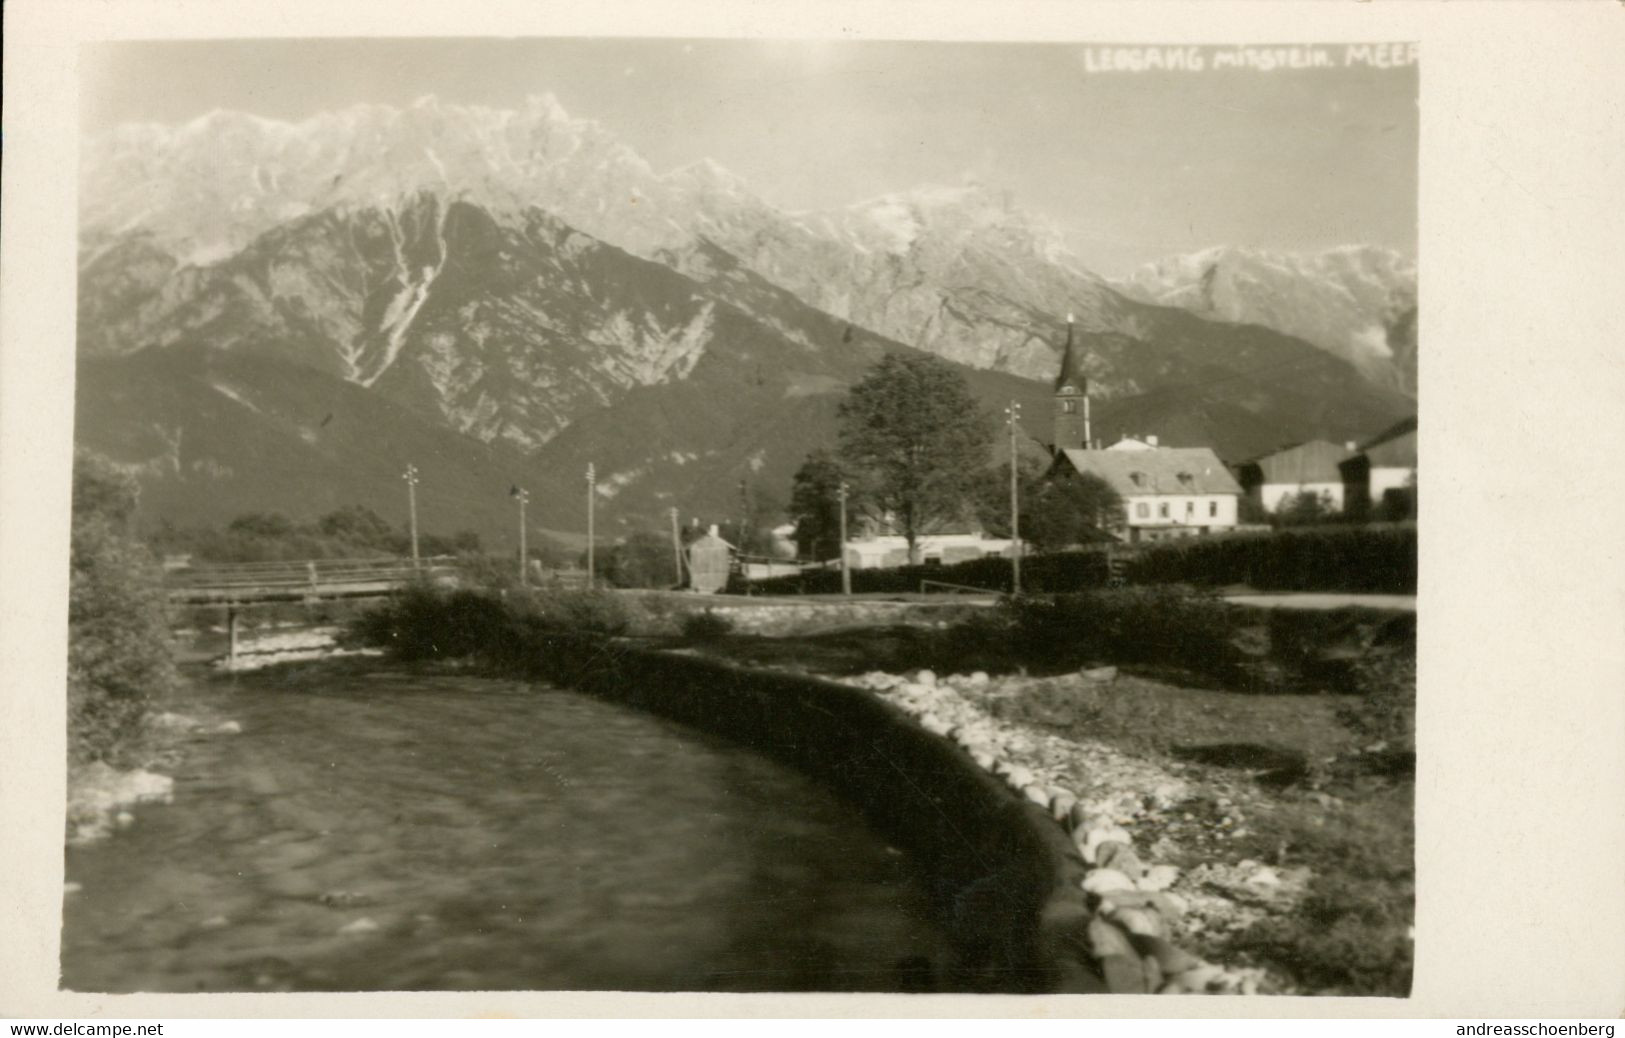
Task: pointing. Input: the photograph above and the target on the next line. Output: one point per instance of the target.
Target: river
(373, 828)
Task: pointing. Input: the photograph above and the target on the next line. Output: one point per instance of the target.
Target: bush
(706, 627)
(1380, 559)
(1386, 709)
(1157, 626)
(424, 623)
(589, 612)
(118, 633)
(1333, 649)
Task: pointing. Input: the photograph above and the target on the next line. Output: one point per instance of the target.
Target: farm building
(1314, 467)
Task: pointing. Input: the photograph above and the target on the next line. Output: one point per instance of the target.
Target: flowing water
(378, 829)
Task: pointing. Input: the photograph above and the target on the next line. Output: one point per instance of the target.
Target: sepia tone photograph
(701, 515)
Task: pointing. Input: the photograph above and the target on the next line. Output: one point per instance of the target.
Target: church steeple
(1071, 371)
(1071, 407)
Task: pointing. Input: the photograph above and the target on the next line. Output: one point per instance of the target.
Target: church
(1167, 492)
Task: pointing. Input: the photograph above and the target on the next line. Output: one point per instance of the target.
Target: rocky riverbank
(1129, 816)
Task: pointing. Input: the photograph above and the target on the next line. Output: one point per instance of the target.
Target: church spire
(1071, 406)
(1071, 373)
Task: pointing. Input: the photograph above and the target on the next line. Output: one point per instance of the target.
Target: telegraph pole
(846, 570)
(676, 546)
(592, 487)
(522, 496)
(411, 477)
(1014, 413)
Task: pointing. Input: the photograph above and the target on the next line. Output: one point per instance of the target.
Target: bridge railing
(308, 572)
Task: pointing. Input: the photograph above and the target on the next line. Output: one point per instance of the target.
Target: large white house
(1167, 492)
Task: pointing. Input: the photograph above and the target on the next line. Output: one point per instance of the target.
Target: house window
(1190, 508)
(1069, 406)
(1213, 509)
(1162, 510)
(1142, 510)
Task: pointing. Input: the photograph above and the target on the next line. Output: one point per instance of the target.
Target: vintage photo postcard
(776, 511)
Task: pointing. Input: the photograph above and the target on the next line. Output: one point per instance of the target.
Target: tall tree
(914, 442)
(1073, 508)
(815, 506)
(1057, 511)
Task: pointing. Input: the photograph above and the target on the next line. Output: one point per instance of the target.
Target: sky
(1132, 165)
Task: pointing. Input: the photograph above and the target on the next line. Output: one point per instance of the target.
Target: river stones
(1120, 856)
(1098, 835)
(925, 677)
(1159, 877)
(1141, 921)
(1017, 775)
(362, 925)
(1173, 961)
(1060, 806)
(1101, 881)
(1121, 965)
(1037, 794)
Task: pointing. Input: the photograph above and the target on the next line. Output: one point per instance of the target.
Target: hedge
(1376, 558)
(1060, 572)
(1379, 558)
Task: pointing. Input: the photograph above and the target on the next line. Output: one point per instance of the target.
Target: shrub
(706, 627)
(1334, 649)
(118, 634)
(1159, 626)
(590, 612)
(1386, 707)
(423, 622)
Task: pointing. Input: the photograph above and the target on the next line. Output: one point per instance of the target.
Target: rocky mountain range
(1358, 303)
(504, 296)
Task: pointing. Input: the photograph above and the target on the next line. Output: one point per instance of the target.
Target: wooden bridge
(251, 583)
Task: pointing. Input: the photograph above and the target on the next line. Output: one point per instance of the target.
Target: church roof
(1157, 470)
(1071, 373)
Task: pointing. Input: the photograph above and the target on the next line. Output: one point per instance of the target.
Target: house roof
(1394, 447)
(1313, 462)
(1157, 470)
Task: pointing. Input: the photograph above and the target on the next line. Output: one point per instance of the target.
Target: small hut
(709, 561)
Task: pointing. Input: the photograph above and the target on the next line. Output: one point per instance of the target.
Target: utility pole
(592, 492)
(1014, 413)
(846, 570)
(411, 477)
(676, 546)
(522, 496)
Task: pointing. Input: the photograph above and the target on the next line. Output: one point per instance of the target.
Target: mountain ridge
(705, 347)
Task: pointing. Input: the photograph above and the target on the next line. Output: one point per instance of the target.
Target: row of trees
(915, 453)
(353, 530)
